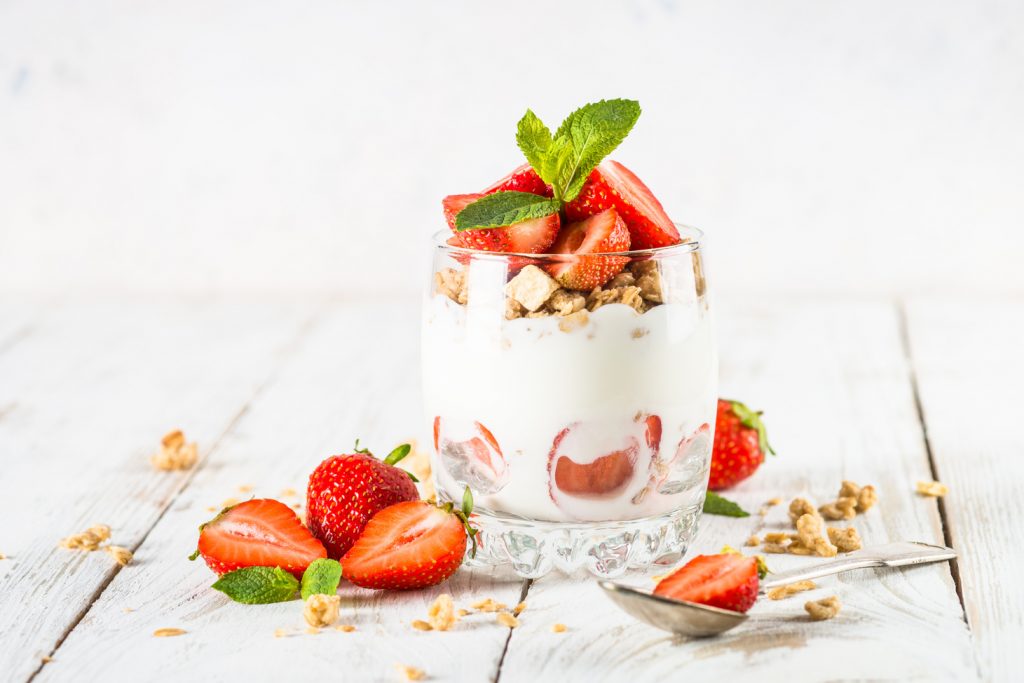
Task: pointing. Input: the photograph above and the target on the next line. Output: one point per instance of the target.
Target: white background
(221, 147)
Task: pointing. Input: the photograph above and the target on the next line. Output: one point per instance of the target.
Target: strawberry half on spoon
(258, 533)
(410, 545)
(585, 246)
(728, 581)
(613, 186)
(528, 237)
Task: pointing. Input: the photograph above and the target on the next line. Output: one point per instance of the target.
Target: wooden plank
(967, 357)
(89, 395)
(835, 386)
(355, 376)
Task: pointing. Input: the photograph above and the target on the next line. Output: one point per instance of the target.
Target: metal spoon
(691, 619)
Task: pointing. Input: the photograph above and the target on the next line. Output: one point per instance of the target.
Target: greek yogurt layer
(600, 416)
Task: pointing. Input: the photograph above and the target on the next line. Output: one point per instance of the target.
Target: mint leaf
(258, 585)
(714, 504)
(534, 139)
(321, 576)
(594, 130)
(505, 208)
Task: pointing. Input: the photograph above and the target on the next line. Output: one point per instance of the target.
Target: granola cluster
(321, 610)
(783, 592)
(532, 293)
(812, 537)
(175, 453)
(932, 489)
(826, 608)
(94, 538)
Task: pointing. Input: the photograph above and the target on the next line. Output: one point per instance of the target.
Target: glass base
(606, 549)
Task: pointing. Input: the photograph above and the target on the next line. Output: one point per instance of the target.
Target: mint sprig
(321, 576)
(258, 585)
(715, 504)
(505, 208)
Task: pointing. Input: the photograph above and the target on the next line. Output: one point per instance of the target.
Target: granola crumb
(121, 555)
(575, 321)
(321, 610)
(288, 493)
(772, 502)
(421, 625)
(531, 287)
(558, 628)
(489, 605)
(451, 283)
(506, 619)
(245, 488)
(623, 279)
(175, 452)
(463, 612)
(783, 592)
(441, 613)
(229, 502)
(46, 659)
(752, 540)
(640, 332)
(128, 610)
(88, 540)
(866, 498)
(312, 630)
(810, 530)
(820, 610)
(774, 548)
(2, 557)
(513, 309)
(846, 540)
(629, 296)
(778, 537)
(518, 609)
(800, 507)
(281, 633)
(566, 302)
(843, 508)
(650, 286)
(932, 489)
(169, 632)
(411, 673)
(849, 489)
(345, 628)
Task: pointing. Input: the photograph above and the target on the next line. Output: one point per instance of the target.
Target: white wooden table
(878, 391)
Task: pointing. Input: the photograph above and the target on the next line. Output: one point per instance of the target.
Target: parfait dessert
(569, 366)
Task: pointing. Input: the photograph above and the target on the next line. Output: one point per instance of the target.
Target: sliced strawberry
(522, 179)
(602, 233)
(529, 237)
(603, 476)
(728, 581)
(470, 454)
(406, 546)
(612, 185)
(258, 533)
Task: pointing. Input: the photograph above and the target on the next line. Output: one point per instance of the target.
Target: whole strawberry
(740, 444)
(345, 491)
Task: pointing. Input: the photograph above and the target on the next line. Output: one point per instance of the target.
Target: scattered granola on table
(752, 541)
(489, 605)
(169, 632)
(846, 540)
(506, 619)
(321, 610)
(800, 507)
(932, 489)
(175, 453)
(121, 555)
(88, 540)
(783, 592)
(558, 628)
(820, 610)
(811, 538)
(411, 673)
(441, 613)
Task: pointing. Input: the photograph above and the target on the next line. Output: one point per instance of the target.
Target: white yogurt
(593, 396)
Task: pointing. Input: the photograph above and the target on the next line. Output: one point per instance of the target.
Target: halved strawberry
(521, 179)
(600, 234)
(409, 545)
(258, 533)
(586, 476)
(728, 581)
(612, 185)
(529, 237)
(470, 454)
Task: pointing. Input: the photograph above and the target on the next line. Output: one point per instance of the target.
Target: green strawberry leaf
(752, 419)
(594, 130)
(505, 208)
(715, 504)
(258, 585)
(321, 576)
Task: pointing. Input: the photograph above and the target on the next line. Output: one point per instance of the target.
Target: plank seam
(947, 531)
(287, 352)
(501, 660)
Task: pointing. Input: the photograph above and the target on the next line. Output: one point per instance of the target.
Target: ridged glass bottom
(606, 549)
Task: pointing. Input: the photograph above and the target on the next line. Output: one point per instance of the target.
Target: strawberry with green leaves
(345, 491)
(740, 444)
(411, 545)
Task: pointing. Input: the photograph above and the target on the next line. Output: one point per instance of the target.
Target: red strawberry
(409, 545)
(728, 581)
(258, 533)
(529, 237)
(522, 179)
(471, 454)
(601, 233)
(740, 444)
(612, 185)
(345, 491)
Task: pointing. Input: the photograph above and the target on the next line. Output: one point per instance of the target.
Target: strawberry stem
(397, 454)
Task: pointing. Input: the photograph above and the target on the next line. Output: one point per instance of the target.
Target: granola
(489, 605)
(169, 632)
(121, 555)
(452, 283)
(411, 673)
(810, 533)
(321, 610)
(506, 619)
(558, 628)
(842, 508)
(783, 592)
(752, 540)
(846, 540)
(88, 540)
(531, 287)
(826, 608)
(800, 507)
(629, 296)
(933, 489)
(441, 613)
(175, 453)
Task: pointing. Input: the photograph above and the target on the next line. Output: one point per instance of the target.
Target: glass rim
(693, 241)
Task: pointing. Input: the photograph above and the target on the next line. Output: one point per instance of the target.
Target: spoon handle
(889, 555)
